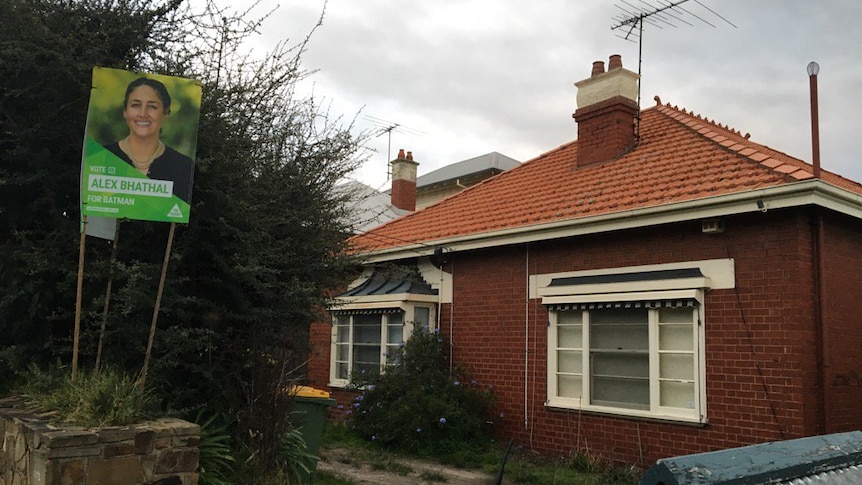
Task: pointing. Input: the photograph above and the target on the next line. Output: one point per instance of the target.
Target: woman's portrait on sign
(146, 107)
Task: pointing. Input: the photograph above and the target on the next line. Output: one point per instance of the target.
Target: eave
(795, 194)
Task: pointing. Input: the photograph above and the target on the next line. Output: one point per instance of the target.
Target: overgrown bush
(216, 459)
(418, 405)
(106, 398)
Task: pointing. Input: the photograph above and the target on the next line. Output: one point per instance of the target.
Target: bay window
(366, 341)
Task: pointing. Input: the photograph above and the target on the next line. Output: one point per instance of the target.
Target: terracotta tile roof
(681, 157)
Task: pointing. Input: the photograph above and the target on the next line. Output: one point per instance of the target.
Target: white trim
(625, 287)
(796, 194)
(718, 274)
(628, 296)
(378, 301)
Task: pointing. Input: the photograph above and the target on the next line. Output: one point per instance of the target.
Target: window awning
(667, 274)
(631, 299)
(367, 311)
(680, 303)
(391, 281)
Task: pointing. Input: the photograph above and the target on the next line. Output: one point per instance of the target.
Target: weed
(433, 476)
(107, 398)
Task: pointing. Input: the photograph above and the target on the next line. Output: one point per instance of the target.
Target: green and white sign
(139, 146)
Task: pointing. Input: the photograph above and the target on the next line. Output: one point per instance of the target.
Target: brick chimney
(404, 181)
(607, 111)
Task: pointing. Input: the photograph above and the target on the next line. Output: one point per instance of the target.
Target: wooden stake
(77, 337)
(107, 296)
(143, 379)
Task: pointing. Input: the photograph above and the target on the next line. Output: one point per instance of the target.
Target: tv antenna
(387, 127)
(660, 14)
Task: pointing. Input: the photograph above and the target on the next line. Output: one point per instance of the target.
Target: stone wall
(35, 451)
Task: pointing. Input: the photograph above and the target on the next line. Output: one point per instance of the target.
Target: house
(661, 286)
(410, 192)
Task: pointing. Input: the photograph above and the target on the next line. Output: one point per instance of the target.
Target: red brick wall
(757, 389)
(318, 360)
(763, 382)
(843, 322)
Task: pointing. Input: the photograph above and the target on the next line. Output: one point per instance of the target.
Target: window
(630, 340)
(368, 340)
(635, 358)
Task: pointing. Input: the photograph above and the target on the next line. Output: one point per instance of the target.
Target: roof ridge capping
(734, 141)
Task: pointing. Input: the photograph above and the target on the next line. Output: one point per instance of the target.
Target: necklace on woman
(142, 166)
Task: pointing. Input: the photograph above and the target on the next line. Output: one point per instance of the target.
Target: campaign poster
(139, 146)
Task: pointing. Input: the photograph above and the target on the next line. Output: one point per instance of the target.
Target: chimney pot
(615, 62)
(410, 156)
(598, 68)
(401, 154)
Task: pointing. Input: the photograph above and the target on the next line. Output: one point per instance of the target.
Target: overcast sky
(462, 78)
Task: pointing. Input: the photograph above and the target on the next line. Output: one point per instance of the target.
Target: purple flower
(457, 383)
(502, 415)
(442, 420)
(356, 405)
(341, 406)
(373, 437)
(418, 430)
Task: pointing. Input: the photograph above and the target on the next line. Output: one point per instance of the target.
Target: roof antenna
(659, 15)
(388, 127)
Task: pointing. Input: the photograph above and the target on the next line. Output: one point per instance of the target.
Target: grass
(522, 467)
(107, 398)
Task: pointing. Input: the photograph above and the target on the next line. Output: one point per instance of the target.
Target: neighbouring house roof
(489, 162)
(682, 160)
(374, 207)
(371, 207)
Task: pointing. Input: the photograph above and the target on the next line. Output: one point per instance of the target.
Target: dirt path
(398, 471)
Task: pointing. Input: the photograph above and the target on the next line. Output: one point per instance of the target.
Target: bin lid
(307, 391)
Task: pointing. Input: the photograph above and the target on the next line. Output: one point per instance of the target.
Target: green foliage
(417, 406)
(294, 459)
(578, 468)
(265, 241)
(216, 459)
(107, 398)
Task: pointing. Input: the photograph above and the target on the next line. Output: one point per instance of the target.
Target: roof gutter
(796, 194)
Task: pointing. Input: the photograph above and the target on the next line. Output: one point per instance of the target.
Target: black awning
(665, 274)
(392, 281)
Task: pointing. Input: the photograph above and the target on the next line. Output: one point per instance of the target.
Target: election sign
(139, 146)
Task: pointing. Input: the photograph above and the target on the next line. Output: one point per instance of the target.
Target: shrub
(216, 458)
(418, 405)
(107, 398)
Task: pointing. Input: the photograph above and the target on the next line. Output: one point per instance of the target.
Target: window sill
(338, 384)
(625, 414)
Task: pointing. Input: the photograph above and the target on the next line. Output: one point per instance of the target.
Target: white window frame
(695, 413)
(717, 274)
(383, 308)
